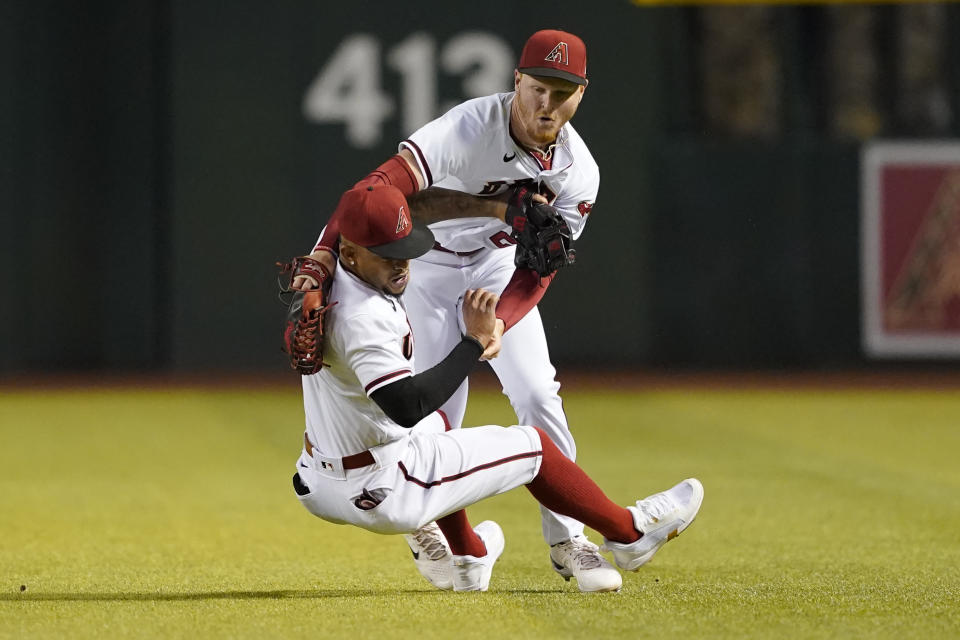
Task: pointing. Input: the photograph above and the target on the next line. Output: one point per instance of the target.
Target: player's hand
(306, 283)
(493, 349)
(479, 315)
(518, 199)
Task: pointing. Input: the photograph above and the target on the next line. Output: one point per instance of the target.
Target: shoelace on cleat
(430, 542)
(584, 553)
(656, 506)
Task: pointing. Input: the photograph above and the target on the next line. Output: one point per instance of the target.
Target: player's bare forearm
(436, 204)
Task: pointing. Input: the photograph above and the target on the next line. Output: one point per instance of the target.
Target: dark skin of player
(384, 274)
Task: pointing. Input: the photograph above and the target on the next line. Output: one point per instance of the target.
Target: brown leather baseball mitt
(303, 328)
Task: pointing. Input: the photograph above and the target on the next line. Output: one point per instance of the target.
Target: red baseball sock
(461, 537)
(563, 487)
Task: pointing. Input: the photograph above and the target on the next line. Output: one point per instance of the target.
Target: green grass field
(169, 512)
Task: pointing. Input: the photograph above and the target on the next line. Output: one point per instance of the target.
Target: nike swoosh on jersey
(508, 158)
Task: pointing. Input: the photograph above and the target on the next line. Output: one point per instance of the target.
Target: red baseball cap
(556, 54)
(378, 218)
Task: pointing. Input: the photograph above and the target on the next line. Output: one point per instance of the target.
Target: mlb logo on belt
(329, 467)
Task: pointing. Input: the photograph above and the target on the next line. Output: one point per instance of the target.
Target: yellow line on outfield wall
(674, 3)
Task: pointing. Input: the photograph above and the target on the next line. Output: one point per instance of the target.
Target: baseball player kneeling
(379, 455)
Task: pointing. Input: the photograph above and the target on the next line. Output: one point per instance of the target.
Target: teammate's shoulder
(477, 114)
(481, 106)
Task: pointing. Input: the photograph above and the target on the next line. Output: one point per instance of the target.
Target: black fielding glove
(544, 241)
(519, 202)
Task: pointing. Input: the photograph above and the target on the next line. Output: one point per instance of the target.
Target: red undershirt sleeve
(522, 293)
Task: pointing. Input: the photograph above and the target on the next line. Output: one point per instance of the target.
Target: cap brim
(418, 242)
(554, 73)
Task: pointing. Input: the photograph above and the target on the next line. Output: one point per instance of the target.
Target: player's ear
(348, 253)
(516, 80)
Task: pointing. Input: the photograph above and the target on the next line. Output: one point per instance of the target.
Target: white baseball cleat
(660, 518)
(579, 558)
(431, 554)
(471, 573)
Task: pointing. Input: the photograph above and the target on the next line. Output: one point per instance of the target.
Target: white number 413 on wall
(348, 90)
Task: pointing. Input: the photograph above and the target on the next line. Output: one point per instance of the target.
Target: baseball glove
(303, 328)
(544, 241)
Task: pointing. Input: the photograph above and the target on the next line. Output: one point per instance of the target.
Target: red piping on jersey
(423, 160)
(446, 420)
(408, 345)
(464, 474)
(386, 377)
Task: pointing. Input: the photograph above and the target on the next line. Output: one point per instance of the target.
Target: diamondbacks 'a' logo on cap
(559, 54)
(402, 222)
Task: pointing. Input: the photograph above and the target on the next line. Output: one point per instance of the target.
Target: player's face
(542, 106)
(386, 274)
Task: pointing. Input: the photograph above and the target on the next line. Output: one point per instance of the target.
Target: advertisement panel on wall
(910, 239)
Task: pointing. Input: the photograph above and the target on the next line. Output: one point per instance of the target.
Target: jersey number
(502, 240)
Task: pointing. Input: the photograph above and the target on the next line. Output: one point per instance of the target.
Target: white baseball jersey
(471, 149)
(419, 474)
(368, 344)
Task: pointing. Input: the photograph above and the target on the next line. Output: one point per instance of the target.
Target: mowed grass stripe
(170, 513)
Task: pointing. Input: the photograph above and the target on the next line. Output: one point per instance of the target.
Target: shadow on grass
(319, 594)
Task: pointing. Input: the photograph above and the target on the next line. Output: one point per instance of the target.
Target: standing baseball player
(520, 148)
(379, 454)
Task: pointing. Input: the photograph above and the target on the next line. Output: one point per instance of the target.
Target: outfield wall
(160, 156)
